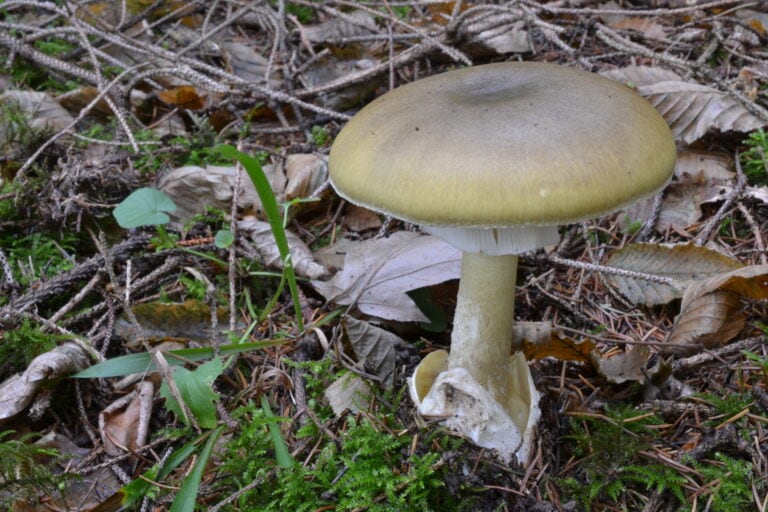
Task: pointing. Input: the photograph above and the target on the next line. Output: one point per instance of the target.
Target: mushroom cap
(503, 145)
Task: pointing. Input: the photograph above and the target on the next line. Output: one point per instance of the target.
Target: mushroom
(492, 159)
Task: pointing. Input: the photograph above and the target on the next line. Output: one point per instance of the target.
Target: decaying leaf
(692, 110)
(302, 258)
(683, 264)
(378, 272)
(485, 34)
(124, 424)
(348, 393)
(184, 96)
(242, 60)
(637, 76)
(539, 340)
(189, 321)
(711, 310)
(18, 391)
(681, 206)
(358, 218)
(371, 347)
(625, 366)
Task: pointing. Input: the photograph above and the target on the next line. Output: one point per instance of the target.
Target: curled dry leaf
(711, 310)
(692, 110)
(124, 424)
(683, 264)
(357, 218)
(302, 258)
(484, 34)
(18, 391)
(377, 274)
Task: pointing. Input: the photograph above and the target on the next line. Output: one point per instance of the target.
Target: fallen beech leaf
(539, 341)
(711, 310)
(41, 110)
(691, 110)
(623, 367)
(684, 264)
(302, 258)
(354, 23)
(377, 274)
(709, 165)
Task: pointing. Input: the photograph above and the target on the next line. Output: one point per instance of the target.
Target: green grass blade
(282, 454)
(275, 219)
(187, 495)
(144, 362)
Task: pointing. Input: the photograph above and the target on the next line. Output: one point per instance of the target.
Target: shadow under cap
(503, 144)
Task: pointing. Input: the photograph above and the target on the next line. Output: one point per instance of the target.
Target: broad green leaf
(224, 238)
(144, 361)
(196, 391)
(144, 207)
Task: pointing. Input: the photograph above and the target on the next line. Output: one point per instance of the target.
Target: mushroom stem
(481, 341)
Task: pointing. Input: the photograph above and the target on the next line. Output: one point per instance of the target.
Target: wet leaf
(692, 109)
(377, 274)
(372, 348)
(711, 310)
(684, 264)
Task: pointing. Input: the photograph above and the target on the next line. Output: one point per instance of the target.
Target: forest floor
(160, 352)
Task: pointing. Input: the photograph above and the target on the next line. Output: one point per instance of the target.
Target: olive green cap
(502, 145)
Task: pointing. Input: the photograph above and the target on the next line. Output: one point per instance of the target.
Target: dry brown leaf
(540, 341)
(302, 258)
(637, 76)
(625, 366)
(692, 109)
(483, 35)
(647, 26)
(184, 97)
(356, 218)
(377, 274)
(242, 60)
(684, 264)
(711, 310)
(124, 424)
(348, 393)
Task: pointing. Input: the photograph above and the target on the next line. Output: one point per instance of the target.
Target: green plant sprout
(754, 158)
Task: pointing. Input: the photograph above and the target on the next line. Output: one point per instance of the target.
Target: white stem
(482, 328)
